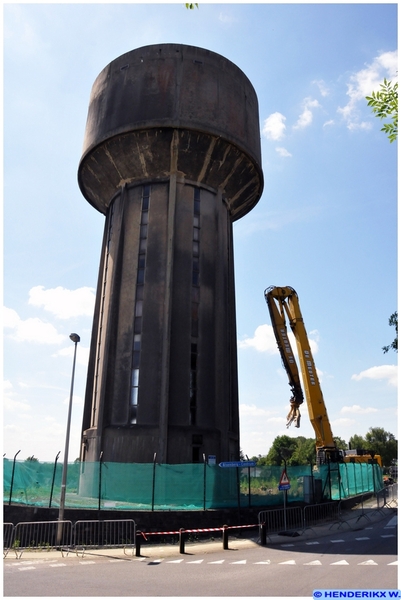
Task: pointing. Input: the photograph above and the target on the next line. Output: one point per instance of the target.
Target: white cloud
(283, 152)
(82, 353)
(306, 117)
(363, 83)
(386, 372)
(64, 303)
(323, 88)
(356, 409)
(9, 403)
(262, 341)
(274, 126)
(343, 422)
(363, 125)
(76, 400)
(250, 410)
(30, 330)
(227, 19)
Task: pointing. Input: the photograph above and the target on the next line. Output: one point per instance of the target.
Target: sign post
(284, 485)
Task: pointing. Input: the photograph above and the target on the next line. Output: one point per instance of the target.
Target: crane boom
(283, 303)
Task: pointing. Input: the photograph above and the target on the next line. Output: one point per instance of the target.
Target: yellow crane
(283, 305)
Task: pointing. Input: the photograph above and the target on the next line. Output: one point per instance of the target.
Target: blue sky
(326, 224)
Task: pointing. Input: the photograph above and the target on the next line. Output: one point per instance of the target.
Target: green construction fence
(153, 486)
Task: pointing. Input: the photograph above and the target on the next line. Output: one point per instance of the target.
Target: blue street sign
(238, 463)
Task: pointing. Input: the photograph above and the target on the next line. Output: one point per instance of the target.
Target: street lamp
(75, 338)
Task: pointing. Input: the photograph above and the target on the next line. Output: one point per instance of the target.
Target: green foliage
(341, 444)
(283, 447)
(384, 104)
(379, 441)
(305, 452)
(296, 451)
(357, 441)
(191, 5)
(393, 322)
(302, 451)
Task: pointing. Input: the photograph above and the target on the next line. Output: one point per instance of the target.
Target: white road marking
(393, 563)
(314, 562)
(340, 562)
(262, 562)
(58, 565)
(288, 562)
(336, 541)
(362, 538)
(311, 543)
(87, 562)
(216, 562)
(368, 562)
(179, 560)
(195, 562)
(388, 535)
(238, 562)
(26, 568)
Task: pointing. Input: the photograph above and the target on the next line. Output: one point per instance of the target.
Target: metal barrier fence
(104, 534)
(42, 534)
(48, 535)
(8, 537)
(391, 495)
(281, 519)
(315, 514)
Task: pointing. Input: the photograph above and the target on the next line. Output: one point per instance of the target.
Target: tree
(384, 104)
(393, 321)
(379, 441)
(281, 444)
(341, 444)
(357, 441)
(191, 5)
(305, 452)
(382, 442)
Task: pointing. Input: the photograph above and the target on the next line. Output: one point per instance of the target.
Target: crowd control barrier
(64, 536)
(104, 534)
(43, 535)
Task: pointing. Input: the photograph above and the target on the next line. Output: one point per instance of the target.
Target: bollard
(138, 543)
(182, 540)
(262, 533)
(225, 537)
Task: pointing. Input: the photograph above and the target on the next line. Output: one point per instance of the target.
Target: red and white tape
(194, 530)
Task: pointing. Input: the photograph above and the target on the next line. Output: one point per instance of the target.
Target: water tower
(172, 158)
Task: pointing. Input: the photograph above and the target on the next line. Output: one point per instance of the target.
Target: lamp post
(75, 338)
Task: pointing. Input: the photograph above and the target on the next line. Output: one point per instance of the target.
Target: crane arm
(283, 302)
(277, 316)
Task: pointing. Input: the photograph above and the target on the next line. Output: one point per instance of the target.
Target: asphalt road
(362, 558)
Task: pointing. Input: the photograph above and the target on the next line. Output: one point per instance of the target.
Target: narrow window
(138, 308)
(195, 295)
